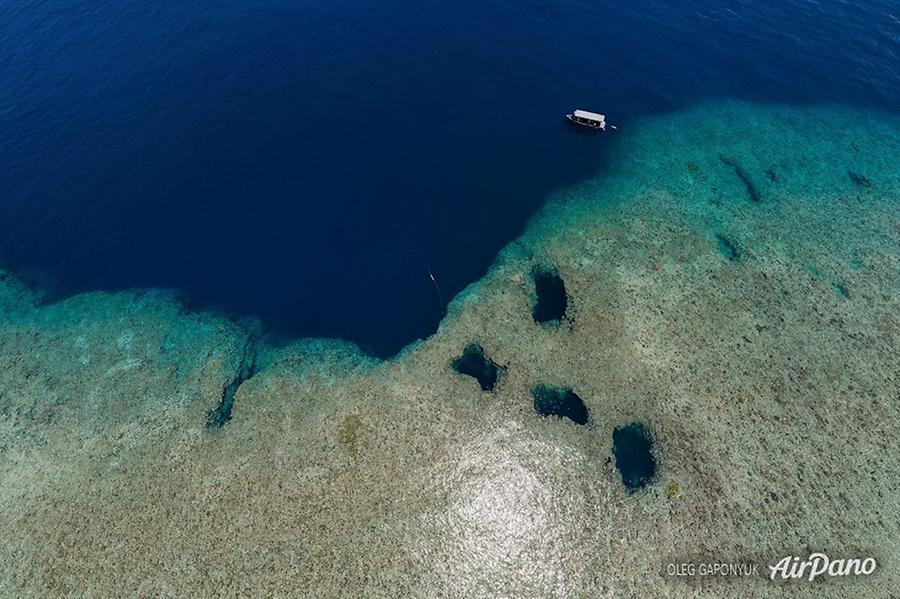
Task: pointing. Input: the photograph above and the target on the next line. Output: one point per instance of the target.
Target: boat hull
(586, 126)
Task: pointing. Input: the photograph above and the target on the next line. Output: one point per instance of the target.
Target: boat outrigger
(588, 120)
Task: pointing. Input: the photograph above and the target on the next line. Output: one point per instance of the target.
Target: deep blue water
(307, 161)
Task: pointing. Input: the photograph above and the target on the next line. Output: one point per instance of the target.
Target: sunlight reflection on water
(503, 518)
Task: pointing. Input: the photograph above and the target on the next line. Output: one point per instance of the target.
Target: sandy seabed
(733, 284)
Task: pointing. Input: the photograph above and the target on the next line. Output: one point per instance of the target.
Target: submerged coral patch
(727, 248)
(475, 364)
(859, 180)
(840, 289)
(221, 416)
(246, 369)
(552, 299)
(349, 433)
(560, 402)
(633, 450)
(752, 191)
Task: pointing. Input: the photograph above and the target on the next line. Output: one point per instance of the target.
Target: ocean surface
(309, 163)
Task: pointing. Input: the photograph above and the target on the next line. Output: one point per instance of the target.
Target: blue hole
(473, 363)
(560, 402)
(632, 445)
(552, 299)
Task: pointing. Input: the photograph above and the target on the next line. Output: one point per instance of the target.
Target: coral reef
(752, 191)
(771, 396)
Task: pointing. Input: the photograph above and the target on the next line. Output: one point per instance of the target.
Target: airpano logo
(819, 565)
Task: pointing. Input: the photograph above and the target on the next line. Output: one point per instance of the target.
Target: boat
(589, 120)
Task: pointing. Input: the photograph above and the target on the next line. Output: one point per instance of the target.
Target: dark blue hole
(552, 299)
(561, 402)
(632, 445)
(473, 363)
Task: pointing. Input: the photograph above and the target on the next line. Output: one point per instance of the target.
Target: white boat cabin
(591, 120)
